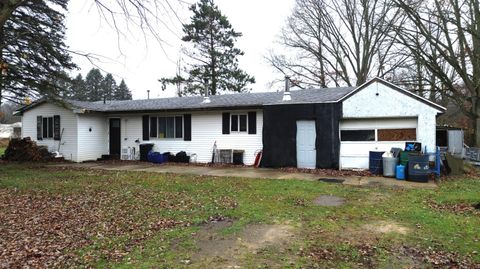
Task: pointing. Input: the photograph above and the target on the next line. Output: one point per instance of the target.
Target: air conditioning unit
(126, 154)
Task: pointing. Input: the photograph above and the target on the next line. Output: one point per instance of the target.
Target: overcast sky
(140, 59)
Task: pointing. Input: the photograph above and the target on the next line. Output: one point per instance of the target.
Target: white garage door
(359, 137)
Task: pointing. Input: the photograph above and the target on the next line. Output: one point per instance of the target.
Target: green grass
(125, 204)
(2, 150)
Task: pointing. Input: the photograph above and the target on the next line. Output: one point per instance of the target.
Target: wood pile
(26, 150)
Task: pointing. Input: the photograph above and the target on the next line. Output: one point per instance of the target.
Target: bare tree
(340, 42)
(444, 36)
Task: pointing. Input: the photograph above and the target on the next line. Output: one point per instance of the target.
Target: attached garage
(359, 136)
(378, 116)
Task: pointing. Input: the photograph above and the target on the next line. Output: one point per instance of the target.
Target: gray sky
(140, 60)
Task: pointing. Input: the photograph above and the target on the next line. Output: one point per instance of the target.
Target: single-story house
(311, 128)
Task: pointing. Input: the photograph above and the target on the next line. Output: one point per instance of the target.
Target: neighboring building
(8, 131)
(322, 128)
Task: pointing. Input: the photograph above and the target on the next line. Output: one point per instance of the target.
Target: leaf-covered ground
(51, 217)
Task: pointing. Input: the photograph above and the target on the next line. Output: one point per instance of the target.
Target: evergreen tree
(93, 85)
(122, 92)
(214, 54)
(109, 87)
(33, 55)
(77, 89)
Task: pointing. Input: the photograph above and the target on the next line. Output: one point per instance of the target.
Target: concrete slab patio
(247, 172)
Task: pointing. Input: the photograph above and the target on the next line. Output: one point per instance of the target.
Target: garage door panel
(378, 123)
(356, 149)
(356, 154)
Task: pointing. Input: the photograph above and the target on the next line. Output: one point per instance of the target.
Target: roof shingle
(326, 95)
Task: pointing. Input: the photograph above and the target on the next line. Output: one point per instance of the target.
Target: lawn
(52, 217)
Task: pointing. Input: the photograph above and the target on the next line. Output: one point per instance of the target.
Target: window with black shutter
(239, 123)
(168, 127)
(47, 127)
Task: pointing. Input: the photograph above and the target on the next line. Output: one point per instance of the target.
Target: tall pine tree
(33, 55)
(77, 89)
(93, 85)
(122, 92)
(214, 55)
(109, 86)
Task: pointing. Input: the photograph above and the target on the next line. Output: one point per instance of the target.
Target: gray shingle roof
(219, 101)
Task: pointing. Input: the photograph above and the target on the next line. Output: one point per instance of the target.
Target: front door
(306, 151)
(115, 142)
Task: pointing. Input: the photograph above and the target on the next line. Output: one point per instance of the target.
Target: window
(167, 127)
(397, 134)
(47, 127)
(357, 135)
(239, 123)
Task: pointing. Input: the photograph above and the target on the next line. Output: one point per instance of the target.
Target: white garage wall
(206, 129)
(392, 103)
(92, 144)
(68, 122)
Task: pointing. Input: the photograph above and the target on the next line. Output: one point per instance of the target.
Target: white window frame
(238, 123)
(174, 127)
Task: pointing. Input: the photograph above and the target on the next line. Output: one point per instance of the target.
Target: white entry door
(306, 152)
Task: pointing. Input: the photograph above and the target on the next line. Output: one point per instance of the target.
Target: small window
(397, 134)
(170, 127)
(234, 123)
(243, 123)
(47, 127)
(162, 127)
(50, 127)
(239, 123)
(357, 135)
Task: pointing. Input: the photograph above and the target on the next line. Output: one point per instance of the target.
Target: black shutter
(153, 126)
(187, 127)
(56, 127)
(39, 128)
(225, 123)
(252, 122)
(145, 127)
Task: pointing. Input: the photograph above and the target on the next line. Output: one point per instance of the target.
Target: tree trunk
(476, 122)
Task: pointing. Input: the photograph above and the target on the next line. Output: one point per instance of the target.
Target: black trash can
(375, 164)
(418, 168)
(144, 150)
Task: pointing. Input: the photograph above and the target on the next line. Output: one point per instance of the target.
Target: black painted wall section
(280, 133)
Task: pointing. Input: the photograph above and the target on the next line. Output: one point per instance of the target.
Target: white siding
(92, 136)
(206, 129)
(391, 103)
(68, 122)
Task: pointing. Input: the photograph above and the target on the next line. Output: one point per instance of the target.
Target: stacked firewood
(26, 150)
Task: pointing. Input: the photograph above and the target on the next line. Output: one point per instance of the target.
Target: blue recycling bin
(400, 173)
